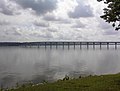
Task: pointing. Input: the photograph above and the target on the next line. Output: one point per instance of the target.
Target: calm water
(37, 64)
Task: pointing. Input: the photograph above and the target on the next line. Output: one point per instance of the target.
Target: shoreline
(110, 82)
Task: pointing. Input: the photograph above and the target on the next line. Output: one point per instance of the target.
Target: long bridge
(61, 43)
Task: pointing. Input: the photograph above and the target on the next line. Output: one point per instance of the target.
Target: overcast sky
(39, 20)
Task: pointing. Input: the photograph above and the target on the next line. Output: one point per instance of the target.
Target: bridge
(61, 43)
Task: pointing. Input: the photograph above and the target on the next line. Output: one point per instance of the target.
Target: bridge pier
(50, 45)
(63, 45)
(25, 45)
(87, 45)
(56, 45)
(100, 46)
(30, 45)
(115, 45)
(45, 45)
(107, 45)
(80, 45)
(93, 45)
(68, 45)
(38, 45)
(74, 45)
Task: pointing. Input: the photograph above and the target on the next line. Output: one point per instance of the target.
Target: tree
(112, 12)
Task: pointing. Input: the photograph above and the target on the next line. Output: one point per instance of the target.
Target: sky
(54, 20)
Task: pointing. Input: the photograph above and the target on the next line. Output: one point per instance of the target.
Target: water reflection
(37, 64)
(108, 63)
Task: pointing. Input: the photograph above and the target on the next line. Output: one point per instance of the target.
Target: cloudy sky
(39, 20)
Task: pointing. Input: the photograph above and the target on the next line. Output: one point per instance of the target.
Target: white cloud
(52, 21)
(65, 6)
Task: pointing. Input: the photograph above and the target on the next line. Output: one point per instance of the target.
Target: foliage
(112, 13)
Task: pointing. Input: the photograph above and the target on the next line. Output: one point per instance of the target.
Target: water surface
(38, 64)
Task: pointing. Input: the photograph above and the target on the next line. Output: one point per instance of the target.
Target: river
(25, 64)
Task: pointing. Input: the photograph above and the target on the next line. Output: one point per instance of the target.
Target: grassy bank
(90, 83)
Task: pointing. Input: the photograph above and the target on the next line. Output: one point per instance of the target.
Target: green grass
(90, 83)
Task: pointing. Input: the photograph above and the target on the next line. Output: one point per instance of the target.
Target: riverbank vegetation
(90, 83)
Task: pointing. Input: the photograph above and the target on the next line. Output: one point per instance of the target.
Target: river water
(21, 65)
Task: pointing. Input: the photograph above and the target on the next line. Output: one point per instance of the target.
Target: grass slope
(91, 83)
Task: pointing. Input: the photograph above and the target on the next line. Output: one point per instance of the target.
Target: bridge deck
(56, 43)
(63, 43)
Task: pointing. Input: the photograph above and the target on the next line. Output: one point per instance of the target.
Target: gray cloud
(8, 7)
(78, 25)
(41, 24)
(39, 6)
(13, 31)
(10, 33)
(81, 10)
(51, 18)
(65, 21)
(46, 35)
(108, 29)
(52, 29)
(110, 32)
(4, 22)
(16, 33)
(104, 25)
